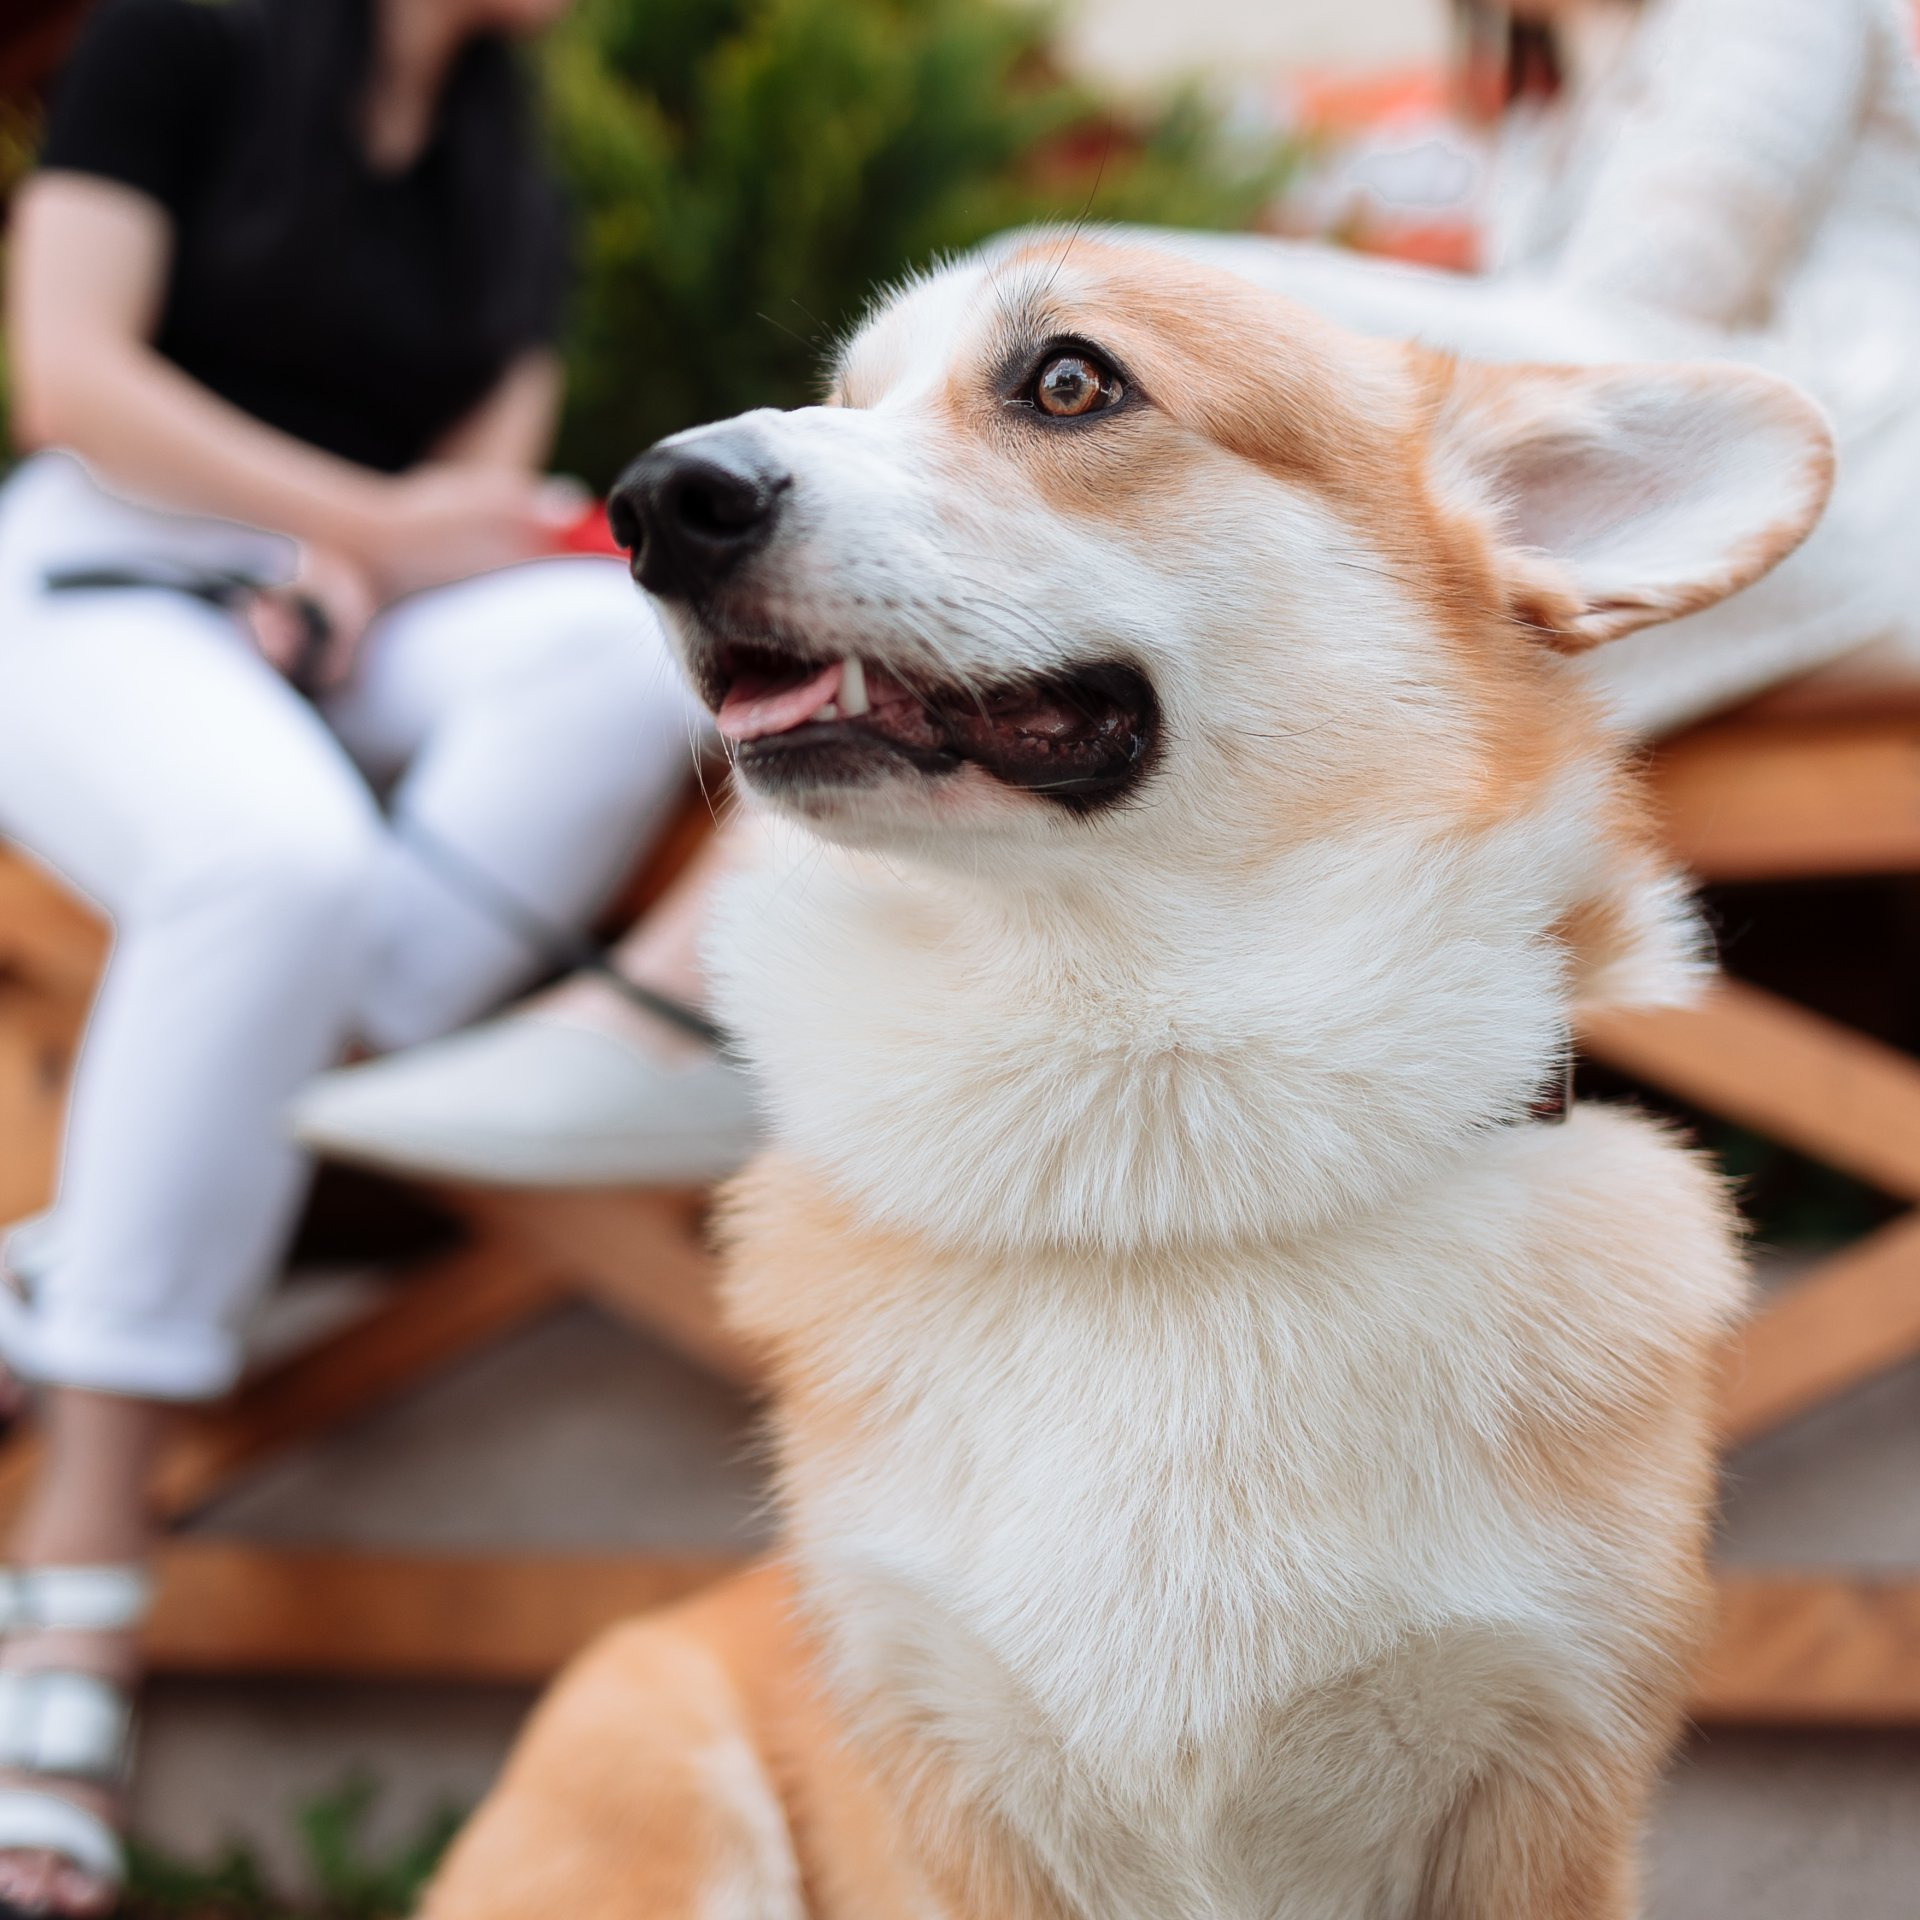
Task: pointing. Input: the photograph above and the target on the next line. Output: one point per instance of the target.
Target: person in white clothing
(1725, 179)
(294, 688)
(1742, 178)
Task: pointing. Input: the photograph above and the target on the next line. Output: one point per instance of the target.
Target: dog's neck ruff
(1154, 1058)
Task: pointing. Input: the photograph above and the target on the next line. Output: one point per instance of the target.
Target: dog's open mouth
(1079, 737)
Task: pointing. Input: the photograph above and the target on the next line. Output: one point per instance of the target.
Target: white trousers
(266, 908)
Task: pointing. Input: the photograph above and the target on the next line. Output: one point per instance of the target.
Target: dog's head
(1091, 541)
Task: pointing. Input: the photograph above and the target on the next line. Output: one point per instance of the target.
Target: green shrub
(347, 1877)
(747, 172)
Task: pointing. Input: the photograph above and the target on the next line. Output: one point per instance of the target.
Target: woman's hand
(441, 523)
(316, 651)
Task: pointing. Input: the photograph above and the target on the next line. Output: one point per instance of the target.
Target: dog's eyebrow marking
(1026, 321)
(1027, 316)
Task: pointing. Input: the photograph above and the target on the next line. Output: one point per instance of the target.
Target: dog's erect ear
(1622, 496)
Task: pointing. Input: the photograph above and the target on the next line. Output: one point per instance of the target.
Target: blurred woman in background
(282, 308)
(1738, 178)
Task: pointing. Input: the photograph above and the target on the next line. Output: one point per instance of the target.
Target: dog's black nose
(690, 513)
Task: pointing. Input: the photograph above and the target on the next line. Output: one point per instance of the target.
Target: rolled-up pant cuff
(154, 1361)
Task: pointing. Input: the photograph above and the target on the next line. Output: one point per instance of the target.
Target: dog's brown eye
(1073, 384)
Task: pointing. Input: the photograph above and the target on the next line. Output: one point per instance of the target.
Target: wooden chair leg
(1856, 1315)
(1792, 1075)
(1813, 1650)
(640, 1253)
(440, 1312)
(1845, 1099)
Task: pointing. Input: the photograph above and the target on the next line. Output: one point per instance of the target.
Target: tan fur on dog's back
(1231, 1466)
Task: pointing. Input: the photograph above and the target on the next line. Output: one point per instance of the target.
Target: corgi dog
(1238, 1459)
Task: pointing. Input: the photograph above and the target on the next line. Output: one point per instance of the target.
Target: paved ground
(1749, 1828)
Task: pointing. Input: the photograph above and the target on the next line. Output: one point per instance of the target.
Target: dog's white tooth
(853, 688)
(830, 711)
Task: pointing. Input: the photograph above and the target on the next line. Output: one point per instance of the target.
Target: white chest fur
(1217, 1573)
(1203, 1344)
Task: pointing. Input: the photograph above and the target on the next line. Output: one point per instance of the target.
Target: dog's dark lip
(1102, 744)
(820, 740)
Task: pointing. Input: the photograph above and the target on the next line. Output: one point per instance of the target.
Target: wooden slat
(1747, 800)
(439, 1313)
(51, 948)
(1792, 1649)
(1854, 1316)
(1813, 1651)
(1795, 1076)
(640, 1253)
(227, 1609)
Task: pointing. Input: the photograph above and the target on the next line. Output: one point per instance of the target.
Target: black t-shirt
(368, 335)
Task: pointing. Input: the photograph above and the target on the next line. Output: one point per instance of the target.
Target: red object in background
(590, 534)
(1389, 165)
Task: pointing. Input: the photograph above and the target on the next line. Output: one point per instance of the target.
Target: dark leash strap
(565, 951)
(216, 587)
(560, 948)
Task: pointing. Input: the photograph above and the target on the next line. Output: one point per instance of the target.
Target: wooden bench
(1775, 792)
(1802, 785)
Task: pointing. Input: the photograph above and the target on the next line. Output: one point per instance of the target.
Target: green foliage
(747, 172)
(348, 1878)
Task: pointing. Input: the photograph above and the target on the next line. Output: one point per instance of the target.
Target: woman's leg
(539, 733)
(155, 761)
(147, 754)
(88, 1508)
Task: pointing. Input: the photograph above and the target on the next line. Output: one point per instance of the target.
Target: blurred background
(744, 173)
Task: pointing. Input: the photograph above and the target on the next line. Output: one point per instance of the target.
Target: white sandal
(60, 1724)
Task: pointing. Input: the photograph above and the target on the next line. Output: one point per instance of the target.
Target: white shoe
(532, 1101)
(63, 1729)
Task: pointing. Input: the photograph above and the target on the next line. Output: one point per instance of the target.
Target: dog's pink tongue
(751, 710)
